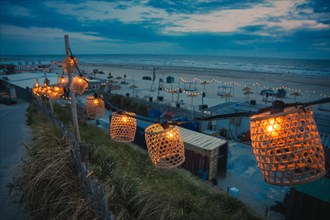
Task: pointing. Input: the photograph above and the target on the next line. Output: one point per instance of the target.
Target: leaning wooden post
(72, 95)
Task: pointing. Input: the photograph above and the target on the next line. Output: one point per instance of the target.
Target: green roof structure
(319, 189)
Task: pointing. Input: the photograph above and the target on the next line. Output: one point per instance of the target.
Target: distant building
(146, 78)
(169, 79)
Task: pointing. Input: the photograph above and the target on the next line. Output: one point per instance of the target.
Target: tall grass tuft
(135, 189)
(51, 188)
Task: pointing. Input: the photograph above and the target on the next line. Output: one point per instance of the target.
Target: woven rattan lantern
(56, 93)
(287, 146)
(79, 85)
(94, 107)
(62, 81)
(36, 89)
(165, 146)
(123, 127)
(69, 64)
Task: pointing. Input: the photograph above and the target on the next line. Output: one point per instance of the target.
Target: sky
(260, 28)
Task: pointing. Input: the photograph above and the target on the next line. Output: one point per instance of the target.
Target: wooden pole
(73, 97)
(51, 105)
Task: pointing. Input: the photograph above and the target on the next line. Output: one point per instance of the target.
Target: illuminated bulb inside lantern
(169, 135)
(124, 119)
(95, 101)
(79, 80)
(274, 127)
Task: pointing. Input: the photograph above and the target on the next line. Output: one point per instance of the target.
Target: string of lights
(285, 140)
(322, 94)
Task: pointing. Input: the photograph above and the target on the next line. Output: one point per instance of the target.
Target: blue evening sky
(274, 28)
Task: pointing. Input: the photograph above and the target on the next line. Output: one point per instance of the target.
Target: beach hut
(204, 154)
(169, 79)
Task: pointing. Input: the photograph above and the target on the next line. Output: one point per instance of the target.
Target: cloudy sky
(276, 28)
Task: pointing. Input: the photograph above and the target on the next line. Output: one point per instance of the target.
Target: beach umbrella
(295, 94)
(204, 83)
(247, 94)
(246, 89)
(192, 95)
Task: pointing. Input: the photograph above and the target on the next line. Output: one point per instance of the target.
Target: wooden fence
(93, 189)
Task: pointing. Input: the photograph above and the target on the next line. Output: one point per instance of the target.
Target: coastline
(208, 73)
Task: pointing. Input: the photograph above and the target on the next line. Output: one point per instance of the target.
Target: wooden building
(204, 154)
(310, 200)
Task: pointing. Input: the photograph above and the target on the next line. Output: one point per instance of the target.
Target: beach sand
(310, 88)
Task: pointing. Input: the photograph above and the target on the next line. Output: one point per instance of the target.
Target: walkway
(13, 131)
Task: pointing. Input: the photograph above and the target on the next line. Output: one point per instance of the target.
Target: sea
(302, 67)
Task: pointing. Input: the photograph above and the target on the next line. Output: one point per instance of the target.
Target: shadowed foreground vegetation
(135, 189)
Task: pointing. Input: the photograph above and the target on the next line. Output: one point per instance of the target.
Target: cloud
(47, 33)
(173, 17)
(15, 10)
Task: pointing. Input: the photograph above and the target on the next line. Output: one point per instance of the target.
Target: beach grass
(135, 189)
(50, 186)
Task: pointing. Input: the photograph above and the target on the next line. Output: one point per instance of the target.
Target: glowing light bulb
(169, 135)
(124, 119)
(274, 126)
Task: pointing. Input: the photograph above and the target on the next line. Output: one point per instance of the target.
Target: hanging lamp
(123, 126)
(36, 89)
(69, 64)
(62, 81)
(56, 93)
(165, 146)
(94, 107)
(287, 146)
(79, 84)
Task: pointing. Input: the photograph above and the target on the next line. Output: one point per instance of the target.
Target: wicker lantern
(36, 89)
(94, 107)
(287, 146)
(79, 85)
(165, 146)
(62, 81)
(123, 127)
(54, 95)
(69, 64)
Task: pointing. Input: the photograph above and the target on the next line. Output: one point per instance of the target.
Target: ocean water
(302, 67)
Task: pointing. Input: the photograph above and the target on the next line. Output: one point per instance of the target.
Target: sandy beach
(217, 81)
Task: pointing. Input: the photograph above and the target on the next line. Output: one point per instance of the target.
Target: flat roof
(200, 140)
(318, 189)
(233, 107)
(24, 80)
